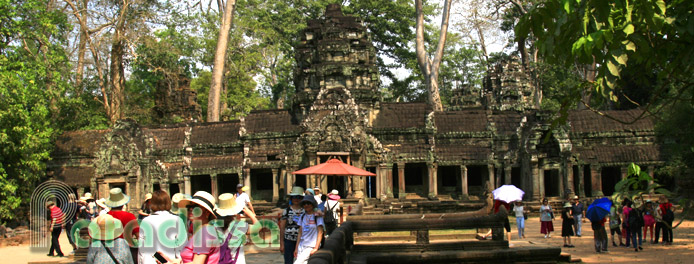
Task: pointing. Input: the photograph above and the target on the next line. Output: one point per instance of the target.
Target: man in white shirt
(242, 197)
(318, 196)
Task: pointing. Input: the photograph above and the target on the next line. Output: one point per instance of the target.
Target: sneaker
(622, 244)
(571, 246)
(50, 255)
(565, 245)
(545, 235)
(548, 235)
(640, 248)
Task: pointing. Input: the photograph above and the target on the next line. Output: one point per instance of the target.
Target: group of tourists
(304, 224)
(191, 229)
(632, 221)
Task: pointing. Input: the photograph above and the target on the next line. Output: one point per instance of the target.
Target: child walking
(520, 218)
(567, 221)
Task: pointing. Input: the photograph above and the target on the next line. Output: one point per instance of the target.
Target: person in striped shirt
(56, 226)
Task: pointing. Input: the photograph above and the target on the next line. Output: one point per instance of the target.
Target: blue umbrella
(598, 209)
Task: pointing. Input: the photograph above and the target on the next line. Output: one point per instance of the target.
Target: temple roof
(75, 176)
(278, 120)
(215, 133)
(81, 142)
(458, 152)
(168, 138)
(507, 122)
(461, 121)
(583, 121)
(231, 160)
(620, 153)
(401, 115)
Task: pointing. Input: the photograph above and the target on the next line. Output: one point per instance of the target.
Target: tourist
(648, 220)
(310, 233)
(546, 217)
(145, 209)
(90, 207)
(567, 223)
(71, 213)
(668, 217)
(243, 198)
(635, 219)
(289, 227)
(318, 195)
(577, 209)
(107, 245)
(174, 203)
(103, 209)
(599, 234)
(615, 222)
(56, 225)
(520, 218)
(161, 231)
(203, 246)
(117, 201)
(233, 238)
(498, 204)
(332, 206)
(626, 233)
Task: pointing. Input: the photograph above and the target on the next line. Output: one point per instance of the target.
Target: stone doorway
(476, 177)
(121, 185)
(552, 183)
(261, 184)
(338, 183)
(200, 183)
(448, 180)
(610, 177)
(396, 181)
(416, 178)
(587, 181)
(226, 183)
(516, 177)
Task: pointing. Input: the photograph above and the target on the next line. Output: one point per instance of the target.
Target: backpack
(669, 215)
(329, 218)
(635, 219)
(225, 251)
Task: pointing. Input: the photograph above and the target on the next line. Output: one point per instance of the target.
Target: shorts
(507, 225)
(615, 230)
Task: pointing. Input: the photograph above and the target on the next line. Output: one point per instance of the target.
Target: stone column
(541, 180)
(186, 185)
(389, 180)
(581, 185)
(499, 172)
(508, 169)
(463, 182)
(247, 180)
(401, 180)
(570, 177)
(213, 183)
(535, 180)
(291, 178)
(432, 169)
(596, 179)
(490, 181)
(275, 185)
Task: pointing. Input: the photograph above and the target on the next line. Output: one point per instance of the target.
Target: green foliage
(616, 34)
(561, 87)
(32, 80)
(637, 184)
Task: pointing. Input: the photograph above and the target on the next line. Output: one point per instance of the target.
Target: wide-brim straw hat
(116, 198)
(201, 198)
(101, 203)
(575, 197)
(309, 199)
(87, 196)
(228, 206)
(567, 205)
(297, 191)
(148, 196)
(105, 227)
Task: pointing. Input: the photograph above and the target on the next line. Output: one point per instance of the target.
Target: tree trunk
(81, 50)
(429, 68)
(213, 110)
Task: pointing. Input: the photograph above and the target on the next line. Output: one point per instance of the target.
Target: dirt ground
(682, 250)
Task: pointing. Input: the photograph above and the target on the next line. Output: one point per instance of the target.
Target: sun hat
(201, 198)
(175, 199)
(309, 199)
(228, 206)
(309, 190)
(334, 195)
(102, 203)
(105, 227)
(297, 191)
(240, 185)
(316, 189)
(116, 198)
(575, 197)
(87, 196)
(567, 205)
(148, 196)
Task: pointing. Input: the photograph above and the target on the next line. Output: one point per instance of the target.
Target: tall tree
(213, 105)
(429, 67)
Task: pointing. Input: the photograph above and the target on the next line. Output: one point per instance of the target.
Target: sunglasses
(191, 206)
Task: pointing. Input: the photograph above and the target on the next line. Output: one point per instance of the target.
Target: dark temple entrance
(415, 177)
(610, 177)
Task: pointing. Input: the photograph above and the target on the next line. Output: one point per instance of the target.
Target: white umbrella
(508, 193)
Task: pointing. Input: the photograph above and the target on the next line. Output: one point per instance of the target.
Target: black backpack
(635, 219)
(669, 215)
(329, 218)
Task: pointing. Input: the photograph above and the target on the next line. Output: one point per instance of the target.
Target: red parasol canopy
(334, 167)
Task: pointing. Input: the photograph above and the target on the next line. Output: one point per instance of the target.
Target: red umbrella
(334, 167)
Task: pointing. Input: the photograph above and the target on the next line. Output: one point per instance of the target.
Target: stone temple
(489, 137)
